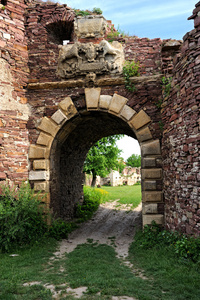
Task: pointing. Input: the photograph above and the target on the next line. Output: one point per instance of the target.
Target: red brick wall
(181, 139)
(13, 102)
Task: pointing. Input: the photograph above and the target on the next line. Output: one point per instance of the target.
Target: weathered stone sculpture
(92, 26)
(81, 59)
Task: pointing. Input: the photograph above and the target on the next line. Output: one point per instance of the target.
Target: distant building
(129, 176)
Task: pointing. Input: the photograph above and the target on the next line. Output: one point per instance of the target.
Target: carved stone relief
(92, 26)
(83, 58)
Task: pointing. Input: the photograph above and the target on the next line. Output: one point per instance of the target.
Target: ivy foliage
(130, 69)
(166, 85)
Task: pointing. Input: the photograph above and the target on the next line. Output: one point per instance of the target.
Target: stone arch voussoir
(39, 154)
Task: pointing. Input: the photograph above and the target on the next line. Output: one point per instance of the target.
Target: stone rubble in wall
(13, 115)
(181, 157)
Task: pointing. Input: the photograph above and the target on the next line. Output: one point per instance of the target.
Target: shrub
(92, 199)
(97, 11)
(130, 69)
(21, 217)
(60, 229)
(185, 247)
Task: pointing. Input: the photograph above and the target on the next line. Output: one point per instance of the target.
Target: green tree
(134, 160)
(102, 157)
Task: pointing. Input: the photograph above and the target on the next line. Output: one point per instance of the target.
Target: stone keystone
(36, 152)
(152, 196)
(104, 101)
(59, 117)
(140, 120)
(150, 208)
(44, 139)
(117, 103)
(92, 97)
(151, 173)
(68, 107)
(41, 164)
(48, 126)
(147, 219)
(127, 112)
(144, 134)
(151, 148)
(38, 175)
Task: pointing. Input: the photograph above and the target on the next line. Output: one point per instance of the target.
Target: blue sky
(144, 18)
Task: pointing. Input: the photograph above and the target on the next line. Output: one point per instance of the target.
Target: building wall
(181, 138)
(14, 107)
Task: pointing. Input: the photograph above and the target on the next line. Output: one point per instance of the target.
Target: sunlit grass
(127, 194)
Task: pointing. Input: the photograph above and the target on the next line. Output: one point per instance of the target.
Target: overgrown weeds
(185, 247)
(130, 69)
(92, 199)
(21, 217)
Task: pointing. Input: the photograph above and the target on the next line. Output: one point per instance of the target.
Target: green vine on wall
(166, 85)
(130, 69)
(166, 89)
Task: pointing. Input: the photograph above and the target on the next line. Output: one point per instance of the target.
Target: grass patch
(128, 194)
(29, 266)
(177, 278)
(97, 267)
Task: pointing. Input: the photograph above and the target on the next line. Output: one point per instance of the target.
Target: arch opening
(68, 156)
(66, 137)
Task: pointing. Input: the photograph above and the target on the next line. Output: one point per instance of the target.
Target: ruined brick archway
(57, 157)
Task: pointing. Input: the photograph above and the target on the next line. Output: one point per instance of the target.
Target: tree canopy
(103, 157)
(134, 160)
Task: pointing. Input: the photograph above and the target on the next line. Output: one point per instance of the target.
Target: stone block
(149, 185)
(44, 139)
(41, 164)
(92, 97)
(151, 148)
(127, 112)
(104, 101)
(36, 152)
(59, 117)
(151, 173)
(117, 103)
(148, 162)
(48, 126)
(45, 199)
(150, 208)
(144, 134)
(152, 196)
(38, 175)
(147, 219)
(139, 120)
(68, 107)
(41, 186)
(90, 26)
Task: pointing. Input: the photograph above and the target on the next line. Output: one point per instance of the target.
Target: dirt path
(112, 224)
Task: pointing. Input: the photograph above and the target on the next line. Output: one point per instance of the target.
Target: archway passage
(66, 137)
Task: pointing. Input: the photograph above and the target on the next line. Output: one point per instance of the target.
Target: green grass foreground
(127, 194)
(96, 267)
